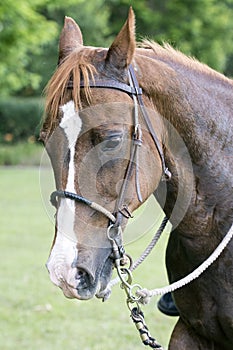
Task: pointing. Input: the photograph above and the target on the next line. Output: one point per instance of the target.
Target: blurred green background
(29, 31)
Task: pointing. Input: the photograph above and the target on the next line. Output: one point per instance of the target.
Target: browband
(109, 84)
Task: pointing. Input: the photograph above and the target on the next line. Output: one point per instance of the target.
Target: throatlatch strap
(166, 172)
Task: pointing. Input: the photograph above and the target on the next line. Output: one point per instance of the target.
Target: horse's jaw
(81, 272)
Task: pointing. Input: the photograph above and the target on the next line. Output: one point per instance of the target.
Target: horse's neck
(198, 103)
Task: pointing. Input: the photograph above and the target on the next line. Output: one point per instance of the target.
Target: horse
(118, 122)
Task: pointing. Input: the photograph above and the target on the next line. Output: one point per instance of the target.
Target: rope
(143, 256)
(102, 210)
(147, 294)
(152, 244)
(78, 198)
(139, 321)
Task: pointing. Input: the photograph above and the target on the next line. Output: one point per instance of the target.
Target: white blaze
(64, 250)
(71, 124)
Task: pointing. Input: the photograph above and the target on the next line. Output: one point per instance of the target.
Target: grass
(21, 153)
(34, 314)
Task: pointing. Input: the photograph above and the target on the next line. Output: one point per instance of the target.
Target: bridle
(135, 92)
(114, 229)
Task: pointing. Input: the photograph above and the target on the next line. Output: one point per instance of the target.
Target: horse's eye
(111, 143)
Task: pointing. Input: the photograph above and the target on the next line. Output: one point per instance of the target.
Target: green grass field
(34, 314)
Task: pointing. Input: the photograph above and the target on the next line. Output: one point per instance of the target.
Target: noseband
(135, 92)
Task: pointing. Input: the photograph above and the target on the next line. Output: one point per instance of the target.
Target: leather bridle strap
(133, 163)
(109, 84)
(135, 92)
(137, 141)
(145, 115)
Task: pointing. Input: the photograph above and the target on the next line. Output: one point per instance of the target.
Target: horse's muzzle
(93, 271)
(81, 273)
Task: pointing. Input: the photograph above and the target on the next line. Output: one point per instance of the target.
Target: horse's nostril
(80, 274)
(84, 277)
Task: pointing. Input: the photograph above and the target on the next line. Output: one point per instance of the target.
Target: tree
(200, 28)
(23, 32)
(29, 32)
(93, 19)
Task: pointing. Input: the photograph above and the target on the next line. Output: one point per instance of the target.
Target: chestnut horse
(108, 157)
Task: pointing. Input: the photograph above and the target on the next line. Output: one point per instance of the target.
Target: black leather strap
(166, 172)
(109, 84)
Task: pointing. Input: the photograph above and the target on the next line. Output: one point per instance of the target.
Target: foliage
(200, 28)
(92, 17)
(22, 153)
(205, 29)
(20, 118)
(29, 33)
(23, 32)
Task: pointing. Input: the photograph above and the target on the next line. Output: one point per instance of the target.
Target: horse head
(102, 151)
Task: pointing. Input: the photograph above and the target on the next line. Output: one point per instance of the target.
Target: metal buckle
(125, 212)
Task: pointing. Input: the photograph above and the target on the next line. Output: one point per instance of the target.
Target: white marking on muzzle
(64, 251)
(59, 265)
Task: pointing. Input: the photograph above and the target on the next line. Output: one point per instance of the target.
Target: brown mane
(175, 57)
(75, 66)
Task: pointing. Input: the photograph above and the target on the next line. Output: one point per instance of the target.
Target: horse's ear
(70, 38)
(120, 53)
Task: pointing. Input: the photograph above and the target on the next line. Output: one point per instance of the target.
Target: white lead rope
(146, 294)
